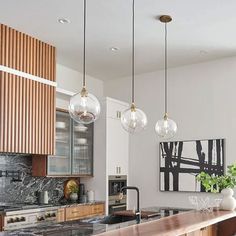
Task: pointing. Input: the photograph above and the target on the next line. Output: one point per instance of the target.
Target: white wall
(71, 80)
(201, 100)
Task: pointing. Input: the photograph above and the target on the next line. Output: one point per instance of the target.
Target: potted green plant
(223, 184)
(74, 193)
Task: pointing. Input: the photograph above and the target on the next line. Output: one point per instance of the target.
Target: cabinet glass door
(60, 164)
(82, 149)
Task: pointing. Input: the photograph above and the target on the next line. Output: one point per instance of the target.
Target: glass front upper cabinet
(82, 157)
(74, 148)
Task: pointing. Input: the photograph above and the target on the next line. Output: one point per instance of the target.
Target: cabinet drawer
(61, 215)
(73, 213)
(98, 209)
(114, 109)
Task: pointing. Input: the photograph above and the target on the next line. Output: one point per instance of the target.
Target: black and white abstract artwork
(182, 161)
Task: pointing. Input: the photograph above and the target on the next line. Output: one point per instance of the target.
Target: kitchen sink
(155, 212)
(114, 219)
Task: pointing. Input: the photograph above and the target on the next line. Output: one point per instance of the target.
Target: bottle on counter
(43, 197)
(90, 195)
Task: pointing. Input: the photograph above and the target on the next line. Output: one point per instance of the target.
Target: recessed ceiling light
(203, 52)
(114, 49)
(63, 21)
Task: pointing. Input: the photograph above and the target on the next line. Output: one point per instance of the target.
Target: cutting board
(144, 214)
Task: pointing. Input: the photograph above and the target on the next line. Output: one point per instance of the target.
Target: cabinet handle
(202, 229)
(118, 114)
(74, 212)
(118, 170)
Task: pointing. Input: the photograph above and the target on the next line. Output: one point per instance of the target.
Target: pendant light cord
(133, 67)
(166, 61)
(84, 49)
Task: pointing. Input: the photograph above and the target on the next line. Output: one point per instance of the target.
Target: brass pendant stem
(84, 92)
(165, 116)
(133, 107)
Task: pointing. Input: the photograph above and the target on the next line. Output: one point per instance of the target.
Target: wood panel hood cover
(27, 107)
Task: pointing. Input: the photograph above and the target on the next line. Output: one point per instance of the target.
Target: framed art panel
(182, 161)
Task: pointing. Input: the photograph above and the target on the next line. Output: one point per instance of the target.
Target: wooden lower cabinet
(83, 211)
(206, 231)
(78, 212)
(98, 209)
(61, 215)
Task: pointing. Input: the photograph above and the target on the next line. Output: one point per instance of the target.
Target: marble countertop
(85, 227)
(61, 229)
(22, 206)
(79, 204)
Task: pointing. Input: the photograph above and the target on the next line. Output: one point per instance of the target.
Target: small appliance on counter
(82, 195)
(91, 195)
(42, 197)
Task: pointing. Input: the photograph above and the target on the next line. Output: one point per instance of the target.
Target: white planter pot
(228, 201)
(74, 197)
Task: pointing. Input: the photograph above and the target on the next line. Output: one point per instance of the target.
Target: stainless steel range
(18, 219)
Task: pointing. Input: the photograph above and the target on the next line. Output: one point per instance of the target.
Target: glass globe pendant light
(166, 128)
(84, 107)
(133, 119)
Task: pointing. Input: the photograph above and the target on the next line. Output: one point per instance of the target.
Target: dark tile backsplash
(25, 191)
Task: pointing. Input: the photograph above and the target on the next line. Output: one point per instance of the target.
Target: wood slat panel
(9, 57)
(27, 125)
(27, 107)
(2, 110)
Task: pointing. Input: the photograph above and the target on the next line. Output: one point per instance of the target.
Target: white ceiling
(201, 30)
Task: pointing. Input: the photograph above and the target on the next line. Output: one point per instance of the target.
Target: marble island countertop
(176, 225)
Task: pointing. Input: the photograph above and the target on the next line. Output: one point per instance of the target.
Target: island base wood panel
(227, 227)
(206, 231)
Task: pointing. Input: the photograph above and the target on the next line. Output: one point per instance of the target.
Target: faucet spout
(137, 212)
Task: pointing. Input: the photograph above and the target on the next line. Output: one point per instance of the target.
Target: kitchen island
(191, 223)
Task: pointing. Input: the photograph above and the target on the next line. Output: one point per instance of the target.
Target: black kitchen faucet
(137, 211)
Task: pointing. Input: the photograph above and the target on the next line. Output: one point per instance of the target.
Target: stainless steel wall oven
(115, 183)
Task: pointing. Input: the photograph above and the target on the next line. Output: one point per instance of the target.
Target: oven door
(115, 184)
(114, 208)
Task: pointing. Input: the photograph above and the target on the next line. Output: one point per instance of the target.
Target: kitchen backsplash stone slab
(25, 191)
